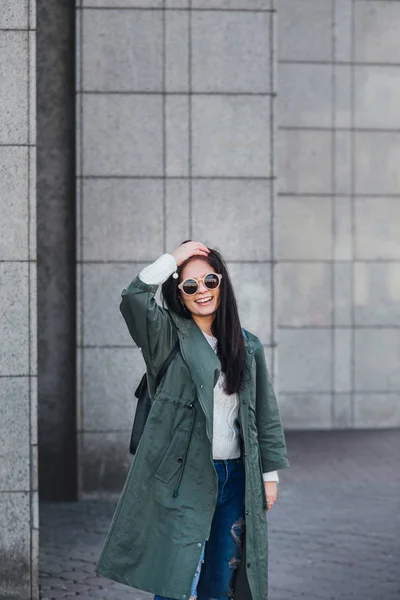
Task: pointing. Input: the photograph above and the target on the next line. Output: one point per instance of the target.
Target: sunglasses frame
(218, 275)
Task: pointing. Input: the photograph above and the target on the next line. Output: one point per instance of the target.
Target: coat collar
(193, 342)
(203, 363)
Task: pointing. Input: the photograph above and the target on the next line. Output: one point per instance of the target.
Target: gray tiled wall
(176, 113)
(338, 213)
(176, 139)
(19, 519)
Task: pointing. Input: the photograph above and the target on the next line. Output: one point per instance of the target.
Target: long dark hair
(226, 325)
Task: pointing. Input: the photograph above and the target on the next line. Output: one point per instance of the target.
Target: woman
(191, 519)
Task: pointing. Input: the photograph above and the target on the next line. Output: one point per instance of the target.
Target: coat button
(199, 545)
(251, 351)
(190, 405)
(245, 454)
(247, 512)
(179, 459)
(201, 387)
(244, 401)
(248, 564)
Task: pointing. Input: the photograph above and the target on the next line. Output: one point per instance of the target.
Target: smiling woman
(205, 294)
(191, 520)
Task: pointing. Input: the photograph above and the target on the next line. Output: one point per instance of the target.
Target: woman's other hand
(188, 249)
(271, 492)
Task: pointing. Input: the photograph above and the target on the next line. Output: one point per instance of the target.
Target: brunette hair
(226, 325)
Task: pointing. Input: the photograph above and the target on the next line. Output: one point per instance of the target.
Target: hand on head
(188, 249)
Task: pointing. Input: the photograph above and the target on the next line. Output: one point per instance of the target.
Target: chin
(210, 310)
(202, 312)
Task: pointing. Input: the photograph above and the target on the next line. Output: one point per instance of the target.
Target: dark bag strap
(161, 373)
(166, 364)
(144, 403)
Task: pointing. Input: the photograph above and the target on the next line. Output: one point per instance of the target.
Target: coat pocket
(173, 457)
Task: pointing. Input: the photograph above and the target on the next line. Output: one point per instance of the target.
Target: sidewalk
(334, 533)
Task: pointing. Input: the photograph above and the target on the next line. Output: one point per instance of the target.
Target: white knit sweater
(226, 438)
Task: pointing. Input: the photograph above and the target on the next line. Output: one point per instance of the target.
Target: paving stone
(333, 533)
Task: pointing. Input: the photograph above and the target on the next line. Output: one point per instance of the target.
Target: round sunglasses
(190, 286)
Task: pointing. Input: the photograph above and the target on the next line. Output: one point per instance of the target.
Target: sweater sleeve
(271, 476)
(159, 270)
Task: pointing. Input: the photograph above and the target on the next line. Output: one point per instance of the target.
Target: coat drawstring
(178, 483)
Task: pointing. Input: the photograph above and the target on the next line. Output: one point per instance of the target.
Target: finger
(200, 253)
(202, 246)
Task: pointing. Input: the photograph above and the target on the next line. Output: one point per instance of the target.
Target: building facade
(266, 128)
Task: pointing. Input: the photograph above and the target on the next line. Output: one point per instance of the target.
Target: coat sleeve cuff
(269, 465)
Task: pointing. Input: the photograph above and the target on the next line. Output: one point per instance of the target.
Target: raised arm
(149, 324)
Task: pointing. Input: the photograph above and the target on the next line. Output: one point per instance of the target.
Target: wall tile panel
(128, 60)
(122, 135)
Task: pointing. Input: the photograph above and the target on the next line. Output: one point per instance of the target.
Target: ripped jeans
(215, 575)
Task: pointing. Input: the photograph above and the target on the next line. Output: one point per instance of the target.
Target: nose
(202, 288)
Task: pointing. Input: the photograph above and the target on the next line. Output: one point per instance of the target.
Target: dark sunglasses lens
(189, 286)
(211, 281)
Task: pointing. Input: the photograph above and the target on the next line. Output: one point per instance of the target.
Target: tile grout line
(272, 190)
(81, 246)
(333, 213)
(372, 196)
(16, 260)
(31, 496)
(170, 93)
(344, 129)
(352, 198)
(266, 261)
(339, 63)
(190, 118)
(177, 9)
(164, 127)
(178, 177)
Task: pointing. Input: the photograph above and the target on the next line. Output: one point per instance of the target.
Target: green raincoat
(165, 510)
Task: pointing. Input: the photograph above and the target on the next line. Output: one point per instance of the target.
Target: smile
(204, 300)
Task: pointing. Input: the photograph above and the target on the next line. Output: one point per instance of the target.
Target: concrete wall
(175, 140)
(56, 249)
(338, 213)
(19, 525)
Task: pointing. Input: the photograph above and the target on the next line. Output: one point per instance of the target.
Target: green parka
(165, 510)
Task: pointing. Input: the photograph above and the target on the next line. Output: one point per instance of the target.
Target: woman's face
(204, 302)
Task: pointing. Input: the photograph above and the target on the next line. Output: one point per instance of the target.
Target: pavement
(334, 533)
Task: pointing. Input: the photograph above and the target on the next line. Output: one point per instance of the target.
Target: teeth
(203, 300)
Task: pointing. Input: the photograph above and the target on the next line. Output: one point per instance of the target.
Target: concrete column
(56, 250)
(175, 139)
(19, 519)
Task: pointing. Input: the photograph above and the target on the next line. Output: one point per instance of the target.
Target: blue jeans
(215, 574)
